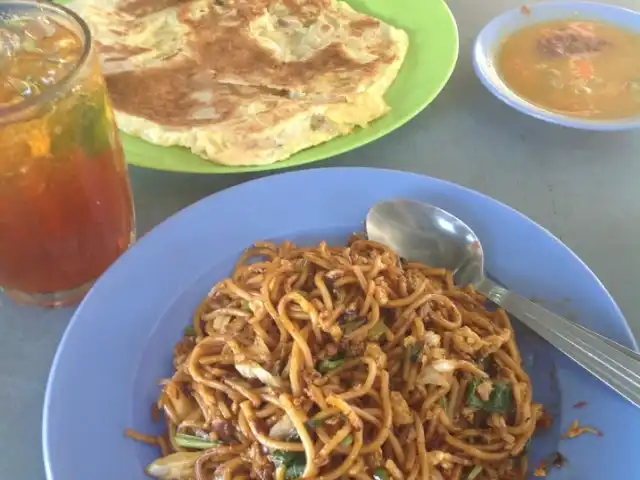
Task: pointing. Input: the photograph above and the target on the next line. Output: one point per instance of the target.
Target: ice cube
(9, 42)
(23, 87)
(39, 28)
(49, 78)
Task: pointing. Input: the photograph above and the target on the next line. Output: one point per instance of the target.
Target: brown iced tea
(66, 210)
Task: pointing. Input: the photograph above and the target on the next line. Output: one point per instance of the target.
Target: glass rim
(64, 82)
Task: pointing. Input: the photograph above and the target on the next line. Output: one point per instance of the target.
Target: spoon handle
(621, 348)
(610, 363)
(616, 345)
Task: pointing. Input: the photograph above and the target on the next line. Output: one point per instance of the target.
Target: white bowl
(490, 38)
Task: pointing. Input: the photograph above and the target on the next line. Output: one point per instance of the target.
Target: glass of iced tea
(66, 211)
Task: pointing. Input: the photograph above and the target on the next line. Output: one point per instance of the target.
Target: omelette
(243, 82)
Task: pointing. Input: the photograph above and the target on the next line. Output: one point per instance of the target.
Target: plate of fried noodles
(259, 334)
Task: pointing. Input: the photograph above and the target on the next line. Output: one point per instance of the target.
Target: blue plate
(492, 35)
(120, 340)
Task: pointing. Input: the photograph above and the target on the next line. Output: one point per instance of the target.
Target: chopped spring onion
(314, 422)
(196, 443)
(190, 331)
(347, 441)
(350, 322)
(329, 364)
(353, 326)
(442, 401)
(474, 473)
(380, 474)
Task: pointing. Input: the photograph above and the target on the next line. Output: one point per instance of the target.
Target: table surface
(579, 185)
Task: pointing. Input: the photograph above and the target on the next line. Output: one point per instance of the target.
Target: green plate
(430, 60)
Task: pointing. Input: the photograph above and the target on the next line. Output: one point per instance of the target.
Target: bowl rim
(481, 51)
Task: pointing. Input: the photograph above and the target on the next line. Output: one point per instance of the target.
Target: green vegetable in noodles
(175, 465)
(293, 462)
(347, 441)
(350, 322)
(415, 351)
(380, 474)
(294, 471)
(196, 443)
(377, 331)
(474, 472)
(329, 364)
(314, 422)
(499, 400)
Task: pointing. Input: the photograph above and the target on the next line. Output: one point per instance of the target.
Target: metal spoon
(428, 234)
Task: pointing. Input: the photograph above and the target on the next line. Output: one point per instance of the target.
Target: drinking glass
(66, 210)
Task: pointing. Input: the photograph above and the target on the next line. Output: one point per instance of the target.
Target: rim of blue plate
(185, 264)
(488, 41)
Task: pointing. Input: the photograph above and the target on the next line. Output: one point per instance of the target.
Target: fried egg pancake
(243, 82)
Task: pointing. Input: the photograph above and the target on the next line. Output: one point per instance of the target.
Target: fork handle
(610, 363)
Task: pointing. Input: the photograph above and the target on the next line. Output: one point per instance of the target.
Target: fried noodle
(345, 362)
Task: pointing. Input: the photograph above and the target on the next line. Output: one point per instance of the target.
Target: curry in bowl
(575, 68)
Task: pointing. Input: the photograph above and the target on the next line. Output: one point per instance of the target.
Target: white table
(581, 186)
